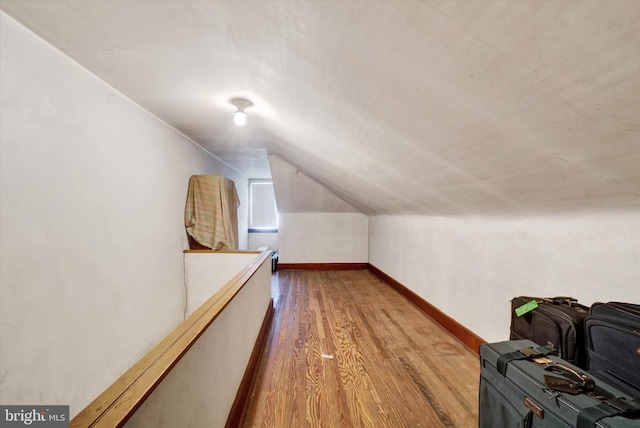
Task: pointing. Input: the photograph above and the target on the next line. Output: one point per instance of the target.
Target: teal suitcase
(516, 391)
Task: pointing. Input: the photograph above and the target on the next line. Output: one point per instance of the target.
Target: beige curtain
(211, 213)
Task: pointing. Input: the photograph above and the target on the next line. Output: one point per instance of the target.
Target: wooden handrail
(119, 402)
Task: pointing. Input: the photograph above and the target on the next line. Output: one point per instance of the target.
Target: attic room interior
(462, 153)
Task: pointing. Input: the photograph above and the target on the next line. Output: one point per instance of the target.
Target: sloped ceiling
(433, 107)
(296, 192)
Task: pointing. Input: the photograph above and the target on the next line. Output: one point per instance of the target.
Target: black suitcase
(557, 322)
(613, 344)
(515, 393)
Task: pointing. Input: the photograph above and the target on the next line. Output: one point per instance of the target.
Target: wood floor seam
(347, 350)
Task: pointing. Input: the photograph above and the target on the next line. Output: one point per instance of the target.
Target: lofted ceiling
(427, 107)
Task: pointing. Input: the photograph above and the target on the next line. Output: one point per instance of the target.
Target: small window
(263, 212)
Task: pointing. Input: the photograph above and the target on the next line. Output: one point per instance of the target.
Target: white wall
(92, 196)
(200, 389)
(206, 273)
(470, 267)
(257, 240)
(322, 238)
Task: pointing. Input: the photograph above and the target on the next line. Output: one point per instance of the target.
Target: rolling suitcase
(556, 322)
(517, 391)
(613, 344)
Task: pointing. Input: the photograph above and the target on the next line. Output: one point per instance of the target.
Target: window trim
(262, 230)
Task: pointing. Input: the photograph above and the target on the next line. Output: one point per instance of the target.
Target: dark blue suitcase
(612, 333)
(513, 392)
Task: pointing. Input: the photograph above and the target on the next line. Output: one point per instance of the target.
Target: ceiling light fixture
(240, 116)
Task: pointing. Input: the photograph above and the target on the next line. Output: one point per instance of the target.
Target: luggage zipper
(572, 322)
(623, 309)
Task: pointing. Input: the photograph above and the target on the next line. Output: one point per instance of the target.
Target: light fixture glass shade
(240, 118)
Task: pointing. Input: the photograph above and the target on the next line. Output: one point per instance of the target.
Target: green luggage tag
(527, 307)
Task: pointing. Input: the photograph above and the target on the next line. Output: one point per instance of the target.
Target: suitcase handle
(584, 381)
(558, 300)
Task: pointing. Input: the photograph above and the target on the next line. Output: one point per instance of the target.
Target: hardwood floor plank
(347, 350)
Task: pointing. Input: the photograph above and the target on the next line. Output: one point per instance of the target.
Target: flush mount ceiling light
(240, 116)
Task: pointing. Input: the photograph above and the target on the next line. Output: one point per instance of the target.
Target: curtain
(211, 212)
(264, 213)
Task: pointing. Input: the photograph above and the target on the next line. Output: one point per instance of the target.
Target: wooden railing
(119, 402)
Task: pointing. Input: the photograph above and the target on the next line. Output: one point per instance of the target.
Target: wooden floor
(346, 350)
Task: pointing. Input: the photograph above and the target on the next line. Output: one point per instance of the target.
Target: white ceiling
(432, 107)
